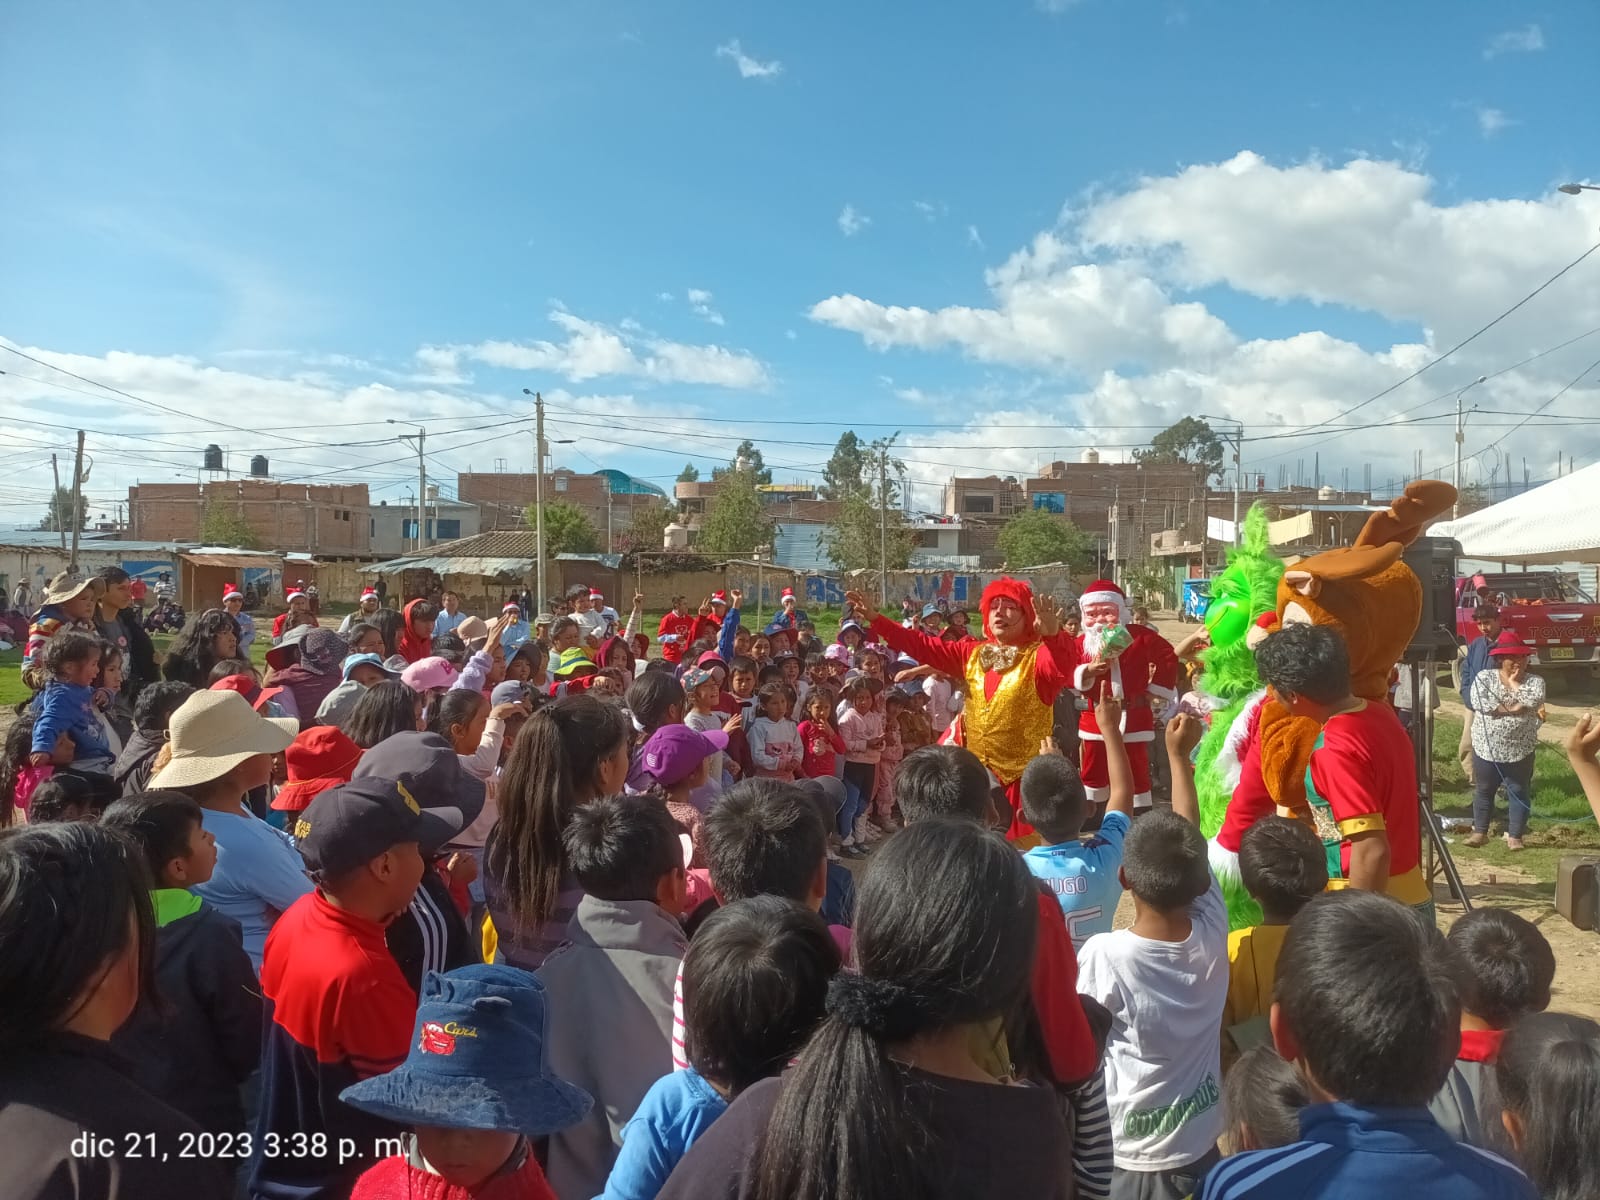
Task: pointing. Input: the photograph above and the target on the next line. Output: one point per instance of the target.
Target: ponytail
(1548, 1078)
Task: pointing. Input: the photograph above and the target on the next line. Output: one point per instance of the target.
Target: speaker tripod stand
(1436, 859)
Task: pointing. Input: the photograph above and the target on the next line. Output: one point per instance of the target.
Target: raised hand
(705, 607)
(638, 602)
(865, 611)
(1047, 615)
(736, 595)
(1184, 732)
(1583, 743)
(1108, 713)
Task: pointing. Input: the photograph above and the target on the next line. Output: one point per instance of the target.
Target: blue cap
(367, 660)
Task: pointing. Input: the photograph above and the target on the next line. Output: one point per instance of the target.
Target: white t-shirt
(943, 703)
(1163, 1056)
(590, 625)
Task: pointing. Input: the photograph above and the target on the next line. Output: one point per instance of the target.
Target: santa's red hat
(1010, 589)
(1103, 591)
(720, 598)
(595, 595)
(292, 593)
(368, 594)
(786, 594)
(231, 592)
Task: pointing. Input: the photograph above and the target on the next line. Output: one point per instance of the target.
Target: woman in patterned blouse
(1509, 703)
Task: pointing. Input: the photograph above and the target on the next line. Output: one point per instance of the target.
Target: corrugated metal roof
(799, 548)
(239, 558)
(464, 564)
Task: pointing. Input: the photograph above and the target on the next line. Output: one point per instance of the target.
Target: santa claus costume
(1010, 685)
(1144, 676)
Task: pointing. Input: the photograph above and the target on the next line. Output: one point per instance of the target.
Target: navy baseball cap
(355, 822)
(438, 782)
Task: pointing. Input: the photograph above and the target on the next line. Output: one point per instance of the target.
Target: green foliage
(857, 538)
(1034, 537)
(58, 513)
(846, 472)
(736, 521)
(567, 528)
(754, 464)
(1145, 581)
(689, 474)
(221, 524)
(646, 529)
(1190, 440)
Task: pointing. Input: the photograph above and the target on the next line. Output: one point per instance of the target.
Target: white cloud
(749, 68)
(1515, 41)
(790, 334)
(974, 238)
(852, 222)
(931, 210)
(700, 304)
(1491, 121)
(592, 350)
(440, 364)
(664, 297)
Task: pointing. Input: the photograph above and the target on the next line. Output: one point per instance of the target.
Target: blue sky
(203, 203)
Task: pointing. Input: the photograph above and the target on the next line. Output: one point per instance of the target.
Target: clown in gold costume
(1012, 677)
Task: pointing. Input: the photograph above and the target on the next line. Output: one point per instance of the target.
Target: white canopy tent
(1557, 522)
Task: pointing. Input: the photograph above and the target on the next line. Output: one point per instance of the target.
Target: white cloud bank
(749, 68)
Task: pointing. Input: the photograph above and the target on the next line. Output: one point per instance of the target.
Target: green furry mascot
(1242, 593)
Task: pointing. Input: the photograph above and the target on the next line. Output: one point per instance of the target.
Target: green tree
(689, 474)
(1035, 537)
(856, 539)
(1190, 440)
(567, 528)
(646, 530)
(753, 462)
(736, 521)
(58, 513)
(846, 471)
(1147, 582)
(222, 524)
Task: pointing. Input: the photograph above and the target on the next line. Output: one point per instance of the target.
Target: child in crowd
(820, 743)
(69, 795)
(1548, 1079)
(761, 650)
(320, 758)
(71, 660)
(609, 988)
(861, 728)
(679, 759)
(360, 672)
(773, 737)
(151, 713)
(894, 706)
(916, 731)
(703, 690)
(1366, 1006)
(1504, 971)
(1282, 865)
(339, 1009)
(1164, 981)
(1082, 872)
(1261, 1100)
(1362, 777)
(475, 1089)
(195, 1046)
(112, 717)
(755, 983)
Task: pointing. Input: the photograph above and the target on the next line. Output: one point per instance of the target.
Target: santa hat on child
(368, 594)
(786, 594)
(720, 598)
(292, 594)
(512, 606)
(595, 595)
(231, 592)
(1103, 591)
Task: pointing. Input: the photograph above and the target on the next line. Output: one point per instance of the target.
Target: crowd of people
(555, 905)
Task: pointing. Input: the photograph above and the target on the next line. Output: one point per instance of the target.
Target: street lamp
(1577, 189)
(1455, 509)
(1238, 470)
(422, 479)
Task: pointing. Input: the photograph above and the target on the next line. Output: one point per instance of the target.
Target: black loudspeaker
(1434, 561)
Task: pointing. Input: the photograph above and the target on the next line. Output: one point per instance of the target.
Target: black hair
(619, 847)
(389, 622)
(88, 791)
(153, 710)
(160, 823)
(764, 837)
(1263, 1096)
(1053, 799)
(422, 610)
(1505, 967)
(755, 984)
(772, 689)
(71, 646)
(946, 925)
(1164, 859)
(451, 648)
(458, 706)
(1483, 611)
(380, 712)
(230, 666)
(854, 687)
(942, 781)
(18, 746)
(552, 772)
(67, 893)
(578, 591)
(814, 659)
(114, 575)
(651, 699)
(770, 675)
(742, 663)
(192, 654)
(1306, 660)
(358, 631)
(1368, 991)
(1548, 1077)
(1282, 864)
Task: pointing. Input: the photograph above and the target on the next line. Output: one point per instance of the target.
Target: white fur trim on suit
(1102, 795)
(1230, 763)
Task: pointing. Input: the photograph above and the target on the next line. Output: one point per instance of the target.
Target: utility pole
(77, 502)
(422, 491)
(883, 527)
(1455, 509)
(55, 503)
(538, 492)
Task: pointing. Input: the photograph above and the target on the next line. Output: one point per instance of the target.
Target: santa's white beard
(1091, 640)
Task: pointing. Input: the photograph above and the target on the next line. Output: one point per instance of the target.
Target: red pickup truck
(1546, 609)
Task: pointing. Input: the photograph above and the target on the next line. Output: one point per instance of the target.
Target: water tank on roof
(1325, 492)
(213, 457)
(258, 466)
(1090, 455)
(675, 537)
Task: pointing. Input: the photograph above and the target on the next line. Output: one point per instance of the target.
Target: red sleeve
(1067, 1039)
(1059, 657)
(949, 658)
(1164, 680)
(378, 1013)
(702, 627)
(1344, 775)
(838, 742)
(666, 625)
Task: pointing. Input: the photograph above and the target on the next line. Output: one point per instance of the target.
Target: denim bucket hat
(477, 1059)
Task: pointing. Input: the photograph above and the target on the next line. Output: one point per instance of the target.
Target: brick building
(607, 497)
(329, 520)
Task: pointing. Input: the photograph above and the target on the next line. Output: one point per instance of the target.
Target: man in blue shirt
(1487, 618)
(1367, 1007)
(1082, 872)
(450, 615)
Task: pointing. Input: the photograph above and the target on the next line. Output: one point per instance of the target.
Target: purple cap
(674, 751)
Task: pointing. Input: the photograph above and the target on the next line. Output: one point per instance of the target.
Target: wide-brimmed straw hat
(213, 732)
(68, 584)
